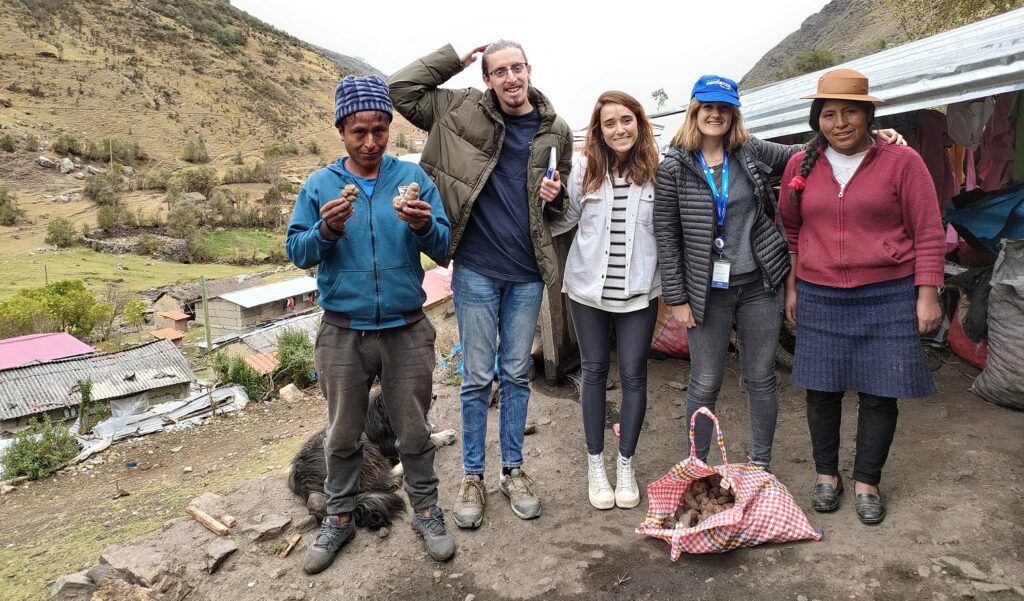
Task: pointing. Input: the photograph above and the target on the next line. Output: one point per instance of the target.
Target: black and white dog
(377, 502)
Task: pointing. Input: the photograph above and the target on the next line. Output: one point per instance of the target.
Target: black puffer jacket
(684, 222)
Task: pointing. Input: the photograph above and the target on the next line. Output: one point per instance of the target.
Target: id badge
(720, 274)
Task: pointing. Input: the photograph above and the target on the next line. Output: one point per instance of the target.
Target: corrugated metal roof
(40, 347)
(269, 293)
(974, 61)
(264, 340)
(35, 388)
(190, 292)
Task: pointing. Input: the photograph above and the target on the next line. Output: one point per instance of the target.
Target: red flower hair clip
(797, 183)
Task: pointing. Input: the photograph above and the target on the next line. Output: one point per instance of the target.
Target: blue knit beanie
(355, 94)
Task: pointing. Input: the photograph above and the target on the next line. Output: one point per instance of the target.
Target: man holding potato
(366, 249)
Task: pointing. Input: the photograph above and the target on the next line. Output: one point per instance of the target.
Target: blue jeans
(497, 318)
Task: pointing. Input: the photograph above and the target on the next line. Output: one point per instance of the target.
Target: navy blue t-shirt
(497, 240)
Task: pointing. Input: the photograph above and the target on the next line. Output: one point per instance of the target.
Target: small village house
(175, 320)
(171, 334)
(184, 297)
(245, 309)
(128, 381)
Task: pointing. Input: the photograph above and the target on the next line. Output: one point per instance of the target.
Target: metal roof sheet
(40, 347)
(40, 387)
(264, 340)
(981, 59)
(269, 293)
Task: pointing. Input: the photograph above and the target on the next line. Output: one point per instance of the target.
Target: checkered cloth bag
(764, 512)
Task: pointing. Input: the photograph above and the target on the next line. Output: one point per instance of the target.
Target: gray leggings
(758, 317)
(633, 333)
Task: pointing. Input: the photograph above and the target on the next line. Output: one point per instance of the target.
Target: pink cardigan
(885, 226)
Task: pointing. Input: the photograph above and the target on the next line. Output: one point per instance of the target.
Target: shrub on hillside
(277, 192)
(235, 370)
(197, 250)
(199, 179)
(31, 143)
(7, 143)
(278, 149)
(39, 449)
(247, 174)
(60, 232)
(183, 220)
(114, 216)
(294, 358)
(101, 189)
(312, 147)
(812, 60)
(195, 151)
(126, 152)
(146, 245)
(9, 211)
(66, 144)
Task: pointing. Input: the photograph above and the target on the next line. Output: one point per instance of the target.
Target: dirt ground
(953, 486)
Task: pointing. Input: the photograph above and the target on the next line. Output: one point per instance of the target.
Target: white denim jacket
(587, 263)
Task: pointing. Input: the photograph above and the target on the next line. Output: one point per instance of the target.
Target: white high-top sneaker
(627, 494)
(601, 495)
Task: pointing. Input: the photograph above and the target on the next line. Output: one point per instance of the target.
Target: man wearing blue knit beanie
(367, 254)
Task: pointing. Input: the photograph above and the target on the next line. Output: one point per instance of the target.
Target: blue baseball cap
(714, 88)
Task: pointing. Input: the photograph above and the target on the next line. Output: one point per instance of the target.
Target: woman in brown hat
(866, 244)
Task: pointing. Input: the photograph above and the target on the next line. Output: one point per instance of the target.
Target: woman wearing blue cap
(723, 257)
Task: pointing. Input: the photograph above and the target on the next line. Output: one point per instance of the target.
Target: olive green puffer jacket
(466, 133)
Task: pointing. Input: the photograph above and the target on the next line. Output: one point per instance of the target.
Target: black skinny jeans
(633, 333)
(876, 426)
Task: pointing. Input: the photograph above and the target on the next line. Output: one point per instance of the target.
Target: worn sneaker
(469, 507)
(439, 542)
(600, 490)
(325, 547)
(627, 493)
(518, 487)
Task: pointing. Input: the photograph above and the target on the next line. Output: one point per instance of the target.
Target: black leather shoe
(869, 508)
(826, 496)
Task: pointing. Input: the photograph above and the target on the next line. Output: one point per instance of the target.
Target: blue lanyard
(722, 199)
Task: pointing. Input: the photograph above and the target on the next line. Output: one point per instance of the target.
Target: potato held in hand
(350, 193)
(412, 192)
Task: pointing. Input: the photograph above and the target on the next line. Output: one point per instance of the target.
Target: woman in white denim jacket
(611, 277)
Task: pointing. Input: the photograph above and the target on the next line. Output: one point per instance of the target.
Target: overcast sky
(576, 53)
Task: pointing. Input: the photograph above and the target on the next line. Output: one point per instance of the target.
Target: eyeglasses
(516, 69)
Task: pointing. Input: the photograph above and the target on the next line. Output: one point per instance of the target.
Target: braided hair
(814, 148)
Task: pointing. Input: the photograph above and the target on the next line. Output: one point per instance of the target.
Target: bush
(197, 250)
(812, 60)
(294, 358)
(183, 220)
(39, 449)
(113, 216)
(31, 143)
(312, 147)
(66, 144)
(9, 211)
(126, 152)
(102, 188)
(247, 174)
(235, 370)
(7, 143)
(276, 193)
(147, 245)
(200, 179)
(60, 232)
(278, 149)
(195, 151)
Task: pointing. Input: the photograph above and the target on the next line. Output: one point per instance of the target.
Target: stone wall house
(244, 310)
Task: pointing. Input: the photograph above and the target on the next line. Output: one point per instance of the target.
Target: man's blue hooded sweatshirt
(371, 279)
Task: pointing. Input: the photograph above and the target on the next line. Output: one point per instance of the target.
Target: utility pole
(209, 343)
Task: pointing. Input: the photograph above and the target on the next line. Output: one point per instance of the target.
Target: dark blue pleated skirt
(861, 339)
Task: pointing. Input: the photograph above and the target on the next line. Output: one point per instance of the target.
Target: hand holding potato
(411, 209)
(336, 212)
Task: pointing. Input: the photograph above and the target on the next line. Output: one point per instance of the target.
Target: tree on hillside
(64, 306)
(60, 232)
(660, 97)
(195, 150)
(9, 211)
(811, 61)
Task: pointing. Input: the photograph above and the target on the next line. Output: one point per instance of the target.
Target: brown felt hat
(844, 84)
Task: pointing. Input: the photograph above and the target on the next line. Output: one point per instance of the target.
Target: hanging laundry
(931, 138)
(966, 120)
(996, 146)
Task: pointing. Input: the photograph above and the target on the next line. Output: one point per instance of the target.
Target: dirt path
(953, 485)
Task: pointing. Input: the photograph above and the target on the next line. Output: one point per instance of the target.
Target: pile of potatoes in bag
(703, 499)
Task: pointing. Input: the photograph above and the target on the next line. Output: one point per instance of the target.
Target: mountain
(847, 29)
(161, 72)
